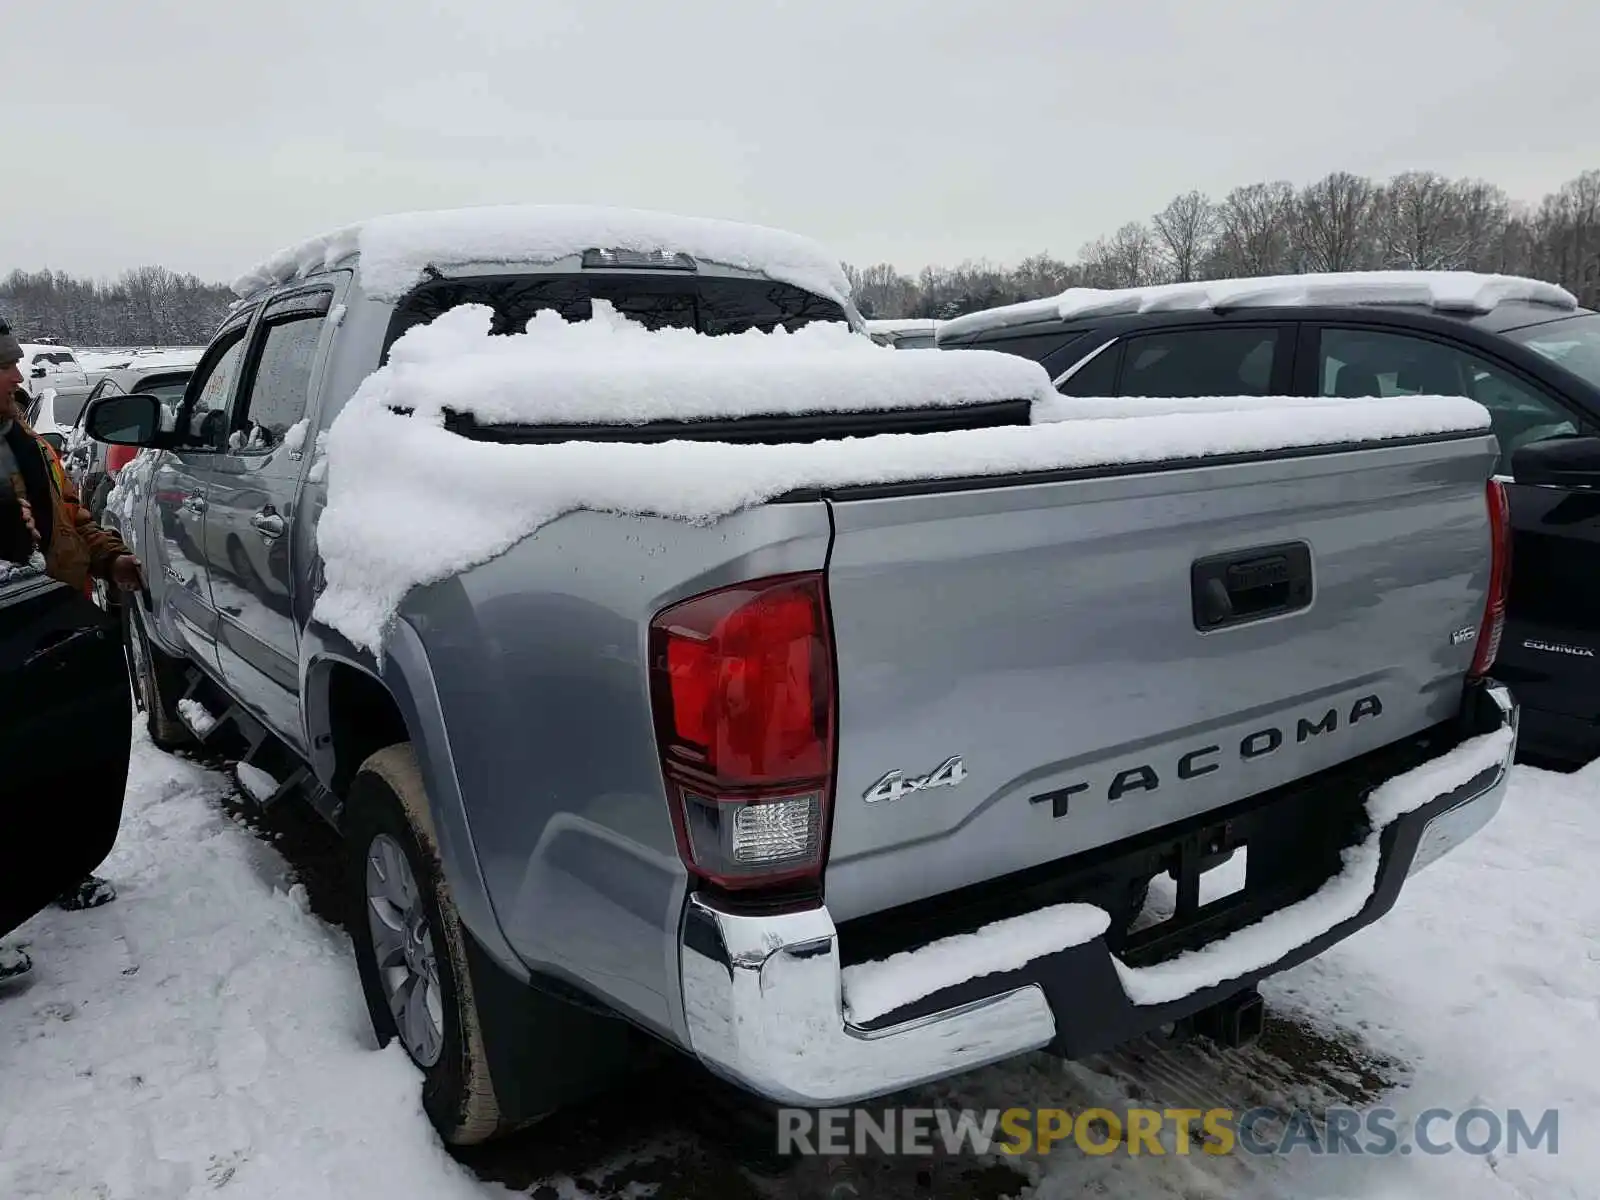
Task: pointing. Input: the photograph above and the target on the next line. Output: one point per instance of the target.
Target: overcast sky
(203, 135)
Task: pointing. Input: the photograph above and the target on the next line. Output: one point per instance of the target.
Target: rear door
(177, 559)
(254, 492)
(1550, 654)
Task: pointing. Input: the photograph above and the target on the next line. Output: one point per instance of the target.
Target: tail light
(1494, 610)
(742, 684)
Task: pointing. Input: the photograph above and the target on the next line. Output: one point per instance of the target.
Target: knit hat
(10, 348)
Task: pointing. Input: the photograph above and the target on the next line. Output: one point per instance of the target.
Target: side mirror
(39, 372)
(133, 420)
(1572, 462)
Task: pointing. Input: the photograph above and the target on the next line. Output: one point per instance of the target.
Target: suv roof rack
(1445, 291)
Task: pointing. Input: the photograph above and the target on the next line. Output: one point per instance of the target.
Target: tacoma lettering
(1146, 777)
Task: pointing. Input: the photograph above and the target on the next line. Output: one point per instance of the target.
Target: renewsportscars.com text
(1169, 1131)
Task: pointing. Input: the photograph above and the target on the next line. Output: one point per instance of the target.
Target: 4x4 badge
(896, 783)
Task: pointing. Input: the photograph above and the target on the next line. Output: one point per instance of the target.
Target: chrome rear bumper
(764, 1007)
(764, 1004)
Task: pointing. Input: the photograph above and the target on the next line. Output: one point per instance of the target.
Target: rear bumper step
(766, 1003)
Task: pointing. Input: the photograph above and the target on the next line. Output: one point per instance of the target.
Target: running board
(267, 771)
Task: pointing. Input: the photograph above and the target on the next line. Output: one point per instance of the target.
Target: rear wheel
(157, 681)
(410, 949)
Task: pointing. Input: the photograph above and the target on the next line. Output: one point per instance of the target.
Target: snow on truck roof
(394, 251)
(1446, 291)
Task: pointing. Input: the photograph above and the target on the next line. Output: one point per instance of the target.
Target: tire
(387, 811)
(157, 681)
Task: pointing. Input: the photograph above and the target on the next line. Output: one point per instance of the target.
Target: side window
(1199, 362)
(213, 389)
(1358, 362)
(1097, 377)
(280, 376)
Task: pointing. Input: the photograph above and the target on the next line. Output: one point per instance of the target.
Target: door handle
(194, 504)
(1228, 589)
(268, 523)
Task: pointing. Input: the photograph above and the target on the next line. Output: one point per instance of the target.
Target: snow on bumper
(767, 1003)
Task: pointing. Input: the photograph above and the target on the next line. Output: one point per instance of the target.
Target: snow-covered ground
(206, 1033)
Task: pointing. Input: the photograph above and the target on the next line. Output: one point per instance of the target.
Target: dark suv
(1523, 349)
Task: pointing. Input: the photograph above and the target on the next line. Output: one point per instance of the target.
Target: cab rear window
(707, 304)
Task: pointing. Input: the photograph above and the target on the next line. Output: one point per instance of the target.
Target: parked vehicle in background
(130, 365)
(50, 416)
(904, 333)
(47, 366)
(86, 460)
(1522, 348)
(703, 784)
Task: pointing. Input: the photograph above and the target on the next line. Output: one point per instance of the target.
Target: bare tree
(881, 291)
(1128, 258)
(1332, 223)
(1187, 230)
(1420, 220)
(1041, 275)
(1254, 225)
(1569, 228)
(1484, 211)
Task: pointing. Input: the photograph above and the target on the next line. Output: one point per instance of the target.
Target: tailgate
(1046, 635)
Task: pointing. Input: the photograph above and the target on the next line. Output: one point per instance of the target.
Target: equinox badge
(896, 783)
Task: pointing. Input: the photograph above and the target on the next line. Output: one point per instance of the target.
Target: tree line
(1343, 222)
(147, 306)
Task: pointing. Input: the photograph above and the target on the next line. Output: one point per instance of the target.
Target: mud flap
(65, 733)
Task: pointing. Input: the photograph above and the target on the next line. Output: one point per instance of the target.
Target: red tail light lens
(743, 689)
(1494, 611)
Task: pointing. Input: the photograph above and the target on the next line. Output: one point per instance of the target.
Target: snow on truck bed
(411, 503)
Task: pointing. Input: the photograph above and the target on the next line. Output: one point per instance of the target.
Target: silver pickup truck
(841, 793)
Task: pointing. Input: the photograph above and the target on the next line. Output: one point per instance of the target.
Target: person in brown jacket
(75, 548)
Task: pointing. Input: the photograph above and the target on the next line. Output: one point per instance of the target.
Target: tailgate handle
(1250, 585)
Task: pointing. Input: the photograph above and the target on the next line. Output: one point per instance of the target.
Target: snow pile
(204, 1034)
(1341, 898)
(260, 785)
(1483, 978)
(874, 988)
(11, 572)
(1239, 424)
(197, 717)
(410, 503)
(395, 250)
(1447, 291)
